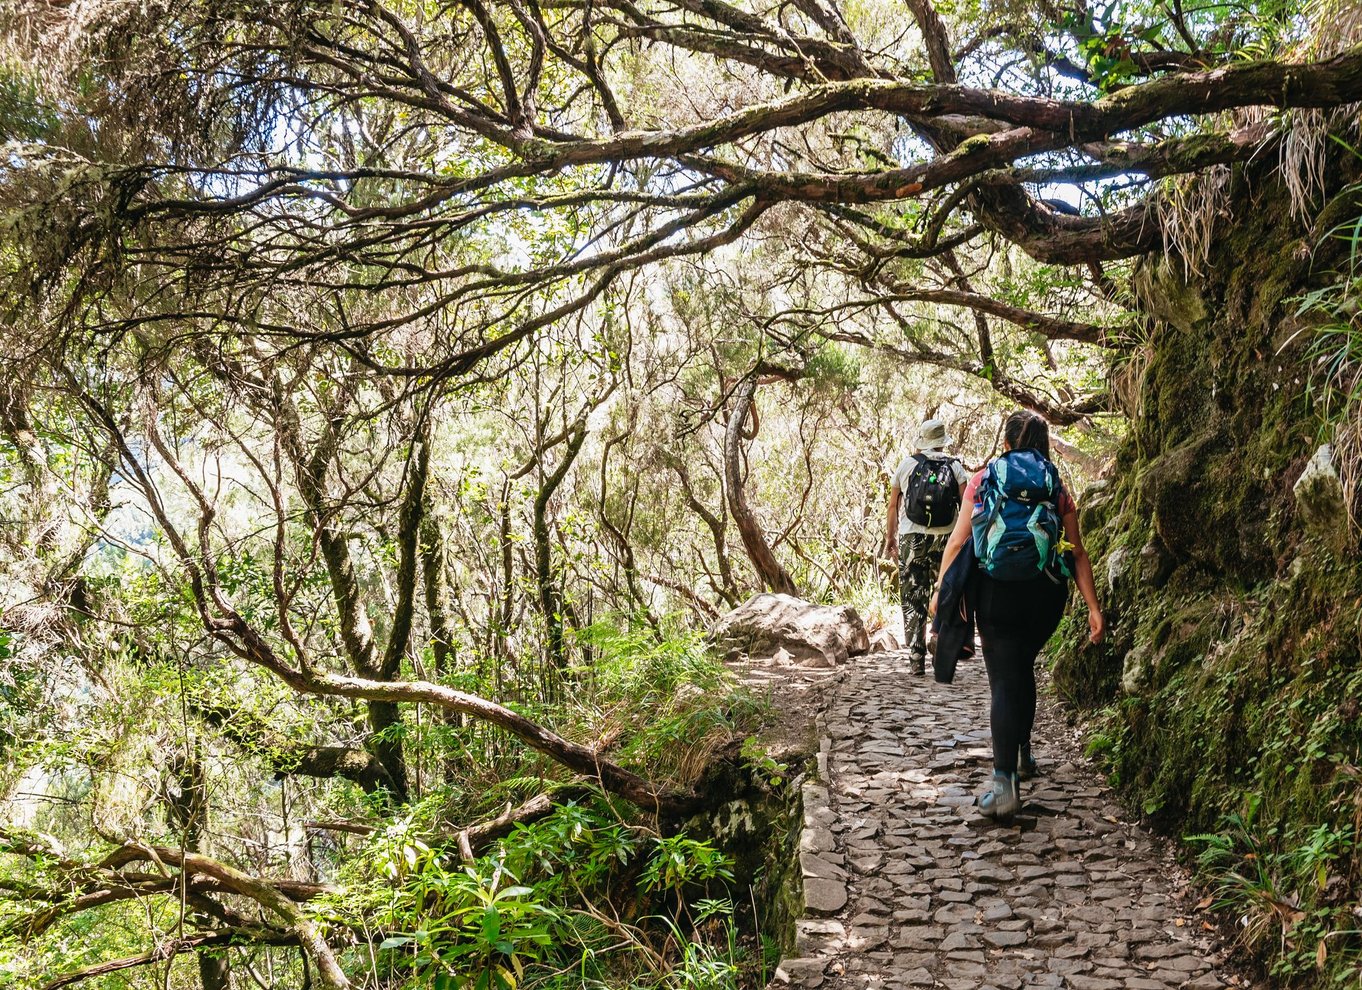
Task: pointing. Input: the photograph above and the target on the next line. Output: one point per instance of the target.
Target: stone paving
(908, 885)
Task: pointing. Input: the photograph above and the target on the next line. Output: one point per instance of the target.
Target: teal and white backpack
(1016, 523)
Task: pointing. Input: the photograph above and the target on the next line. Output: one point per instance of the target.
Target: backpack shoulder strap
(1057, 481)
(989, 481)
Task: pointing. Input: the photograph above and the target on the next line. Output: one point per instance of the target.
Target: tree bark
(764, 561)
(311, 469)
(385, 719)
(435, 577)
(356, 765)
(437, 592)
(188, 807)
(285, 759)
(727, 587)
(621, 535)
(550, 601)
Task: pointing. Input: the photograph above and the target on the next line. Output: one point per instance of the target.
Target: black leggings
(1015, 619)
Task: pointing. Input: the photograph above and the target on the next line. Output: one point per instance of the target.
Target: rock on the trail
(801, 972)
(1207, 982)
(824, 896)
(815, 635)
(883, 641)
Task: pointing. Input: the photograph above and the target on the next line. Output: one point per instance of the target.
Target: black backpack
(932, 498)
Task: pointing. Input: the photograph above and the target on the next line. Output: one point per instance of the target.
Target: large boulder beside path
(816, 635)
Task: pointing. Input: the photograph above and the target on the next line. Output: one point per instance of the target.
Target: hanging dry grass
(1348, 457)
(1128, 380)
(1338, 357)
(1335, 360)
(1334, 26)
(1303, 154)
(1190, 208)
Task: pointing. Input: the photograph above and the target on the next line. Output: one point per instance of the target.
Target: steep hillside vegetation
(1233, 674)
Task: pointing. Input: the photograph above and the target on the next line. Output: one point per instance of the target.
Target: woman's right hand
(931, 606)
(1097, 625)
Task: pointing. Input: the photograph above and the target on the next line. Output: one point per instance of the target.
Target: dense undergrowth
(1229, 689)
(594, 894)
(548, 908)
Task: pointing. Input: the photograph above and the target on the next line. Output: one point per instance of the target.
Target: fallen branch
(301, 928)
(475, 838)
(272, 895)
(170, 948)
(479, 837)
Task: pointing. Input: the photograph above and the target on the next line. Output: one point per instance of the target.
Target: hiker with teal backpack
(1023, 533)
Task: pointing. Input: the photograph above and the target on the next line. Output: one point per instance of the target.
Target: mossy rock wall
(1230, 681)
(758, 827)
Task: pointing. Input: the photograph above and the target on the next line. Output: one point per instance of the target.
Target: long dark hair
(1026, 429)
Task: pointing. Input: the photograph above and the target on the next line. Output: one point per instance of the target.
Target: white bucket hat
(931, 435)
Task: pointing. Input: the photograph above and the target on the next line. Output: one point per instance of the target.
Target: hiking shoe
(1026, 764)
(919, 663)
(1003, 800)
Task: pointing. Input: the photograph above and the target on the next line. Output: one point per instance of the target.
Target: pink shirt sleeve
(1065, 506)
(972, 489)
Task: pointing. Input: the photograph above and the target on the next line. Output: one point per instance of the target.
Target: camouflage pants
(919, 561)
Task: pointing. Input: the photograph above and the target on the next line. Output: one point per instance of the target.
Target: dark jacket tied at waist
(953, 623)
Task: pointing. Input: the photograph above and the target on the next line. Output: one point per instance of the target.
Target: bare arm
(891, 526)
(956, 540)
(1083, 577)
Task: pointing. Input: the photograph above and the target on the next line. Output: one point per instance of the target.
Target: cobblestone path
(909, 886)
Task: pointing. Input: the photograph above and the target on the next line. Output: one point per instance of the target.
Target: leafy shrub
(1288, 893)
(542, 904)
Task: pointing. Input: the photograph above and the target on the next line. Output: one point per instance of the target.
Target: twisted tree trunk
(550, 598)
(764, 561)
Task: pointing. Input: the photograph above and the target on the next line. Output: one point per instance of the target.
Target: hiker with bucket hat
(927, 492)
